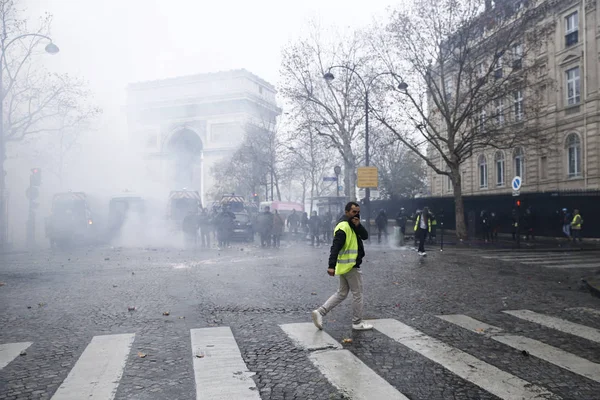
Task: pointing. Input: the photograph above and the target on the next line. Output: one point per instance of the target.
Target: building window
(518, 105)
(448, 88)
(571, 29)
(499, 110)
(481, 121)
(544, 167)
(498, 70)
(517, 54)
(499, 159)
(483, 179)
(519, 163)
(573, 86)
(449, 186)
(574, 155)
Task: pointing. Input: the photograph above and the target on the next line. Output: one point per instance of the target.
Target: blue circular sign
(516, 183)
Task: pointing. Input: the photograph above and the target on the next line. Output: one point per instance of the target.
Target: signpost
(516, 185)
(330, 179)
(367, 177)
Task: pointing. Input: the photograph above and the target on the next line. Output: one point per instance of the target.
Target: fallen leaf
(314, 293)
(480, 330)
(347, 341)
(166, 313)
(396, 283)
(41, 304)
(23, 353)
(141, 355)
(200, 355)
(131, 308)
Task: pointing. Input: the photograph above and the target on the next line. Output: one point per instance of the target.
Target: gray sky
(114, 42)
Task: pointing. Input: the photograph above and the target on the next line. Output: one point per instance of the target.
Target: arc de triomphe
(185, 125)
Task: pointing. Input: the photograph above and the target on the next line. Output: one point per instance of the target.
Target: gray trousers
(350, 281)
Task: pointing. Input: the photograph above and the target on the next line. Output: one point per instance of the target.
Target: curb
(593, 284)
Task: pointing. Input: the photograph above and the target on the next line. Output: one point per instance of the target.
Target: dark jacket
(340, 238)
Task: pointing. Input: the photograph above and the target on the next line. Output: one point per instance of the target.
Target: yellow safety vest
(418, 220)
(348, 254)
(577, 221)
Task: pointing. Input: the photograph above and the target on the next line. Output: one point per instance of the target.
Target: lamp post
(50, 48)
(329, 77)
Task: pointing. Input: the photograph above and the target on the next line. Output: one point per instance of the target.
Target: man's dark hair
(350, 204)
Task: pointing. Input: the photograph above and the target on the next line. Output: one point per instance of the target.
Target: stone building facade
(570, 158)
(185, 125)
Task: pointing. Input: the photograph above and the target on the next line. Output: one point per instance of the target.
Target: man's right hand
(331, 271)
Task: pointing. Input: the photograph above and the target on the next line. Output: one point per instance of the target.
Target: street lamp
(329, 77)
(50, 48)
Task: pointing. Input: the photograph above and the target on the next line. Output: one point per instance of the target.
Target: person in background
(265, 227)
(314, 224)
(486, 225)
(432, 235)
(293, 221)
(190, 229)
(566, 223)
(278, 224)
(381, 221)
(327, 228)
(401, 222)
(422, 228)
(205, 229)
(576, 226)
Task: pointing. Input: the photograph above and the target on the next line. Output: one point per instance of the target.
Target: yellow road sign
(367, 177)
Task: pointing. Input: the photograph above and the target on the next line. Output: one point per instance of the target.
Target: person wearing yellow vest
(347, 252)
(576, 226)
(422, 227)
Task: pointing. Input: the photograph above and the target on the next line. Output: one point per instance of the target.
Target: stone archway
(185, 152)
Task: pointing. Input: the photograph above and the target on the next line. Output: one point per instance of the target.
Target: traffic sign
(516, 183)
(329, 178)
(367, 177)
(340, 188)
(516, 193)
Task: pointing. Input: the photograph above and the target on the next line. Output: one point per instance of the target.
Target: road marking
(10, 351)
(484, 375)
(307, 336)
(559, 324)
(342, 368)
(98, 371)
(219, 370)
(588, 310)
(529, 256)
(566, 260)
(572, 266)
(536, 348)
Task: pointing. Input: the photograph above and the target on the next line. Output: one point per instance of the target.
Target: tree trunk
(349, 174)
(459, 206)
(3, 213)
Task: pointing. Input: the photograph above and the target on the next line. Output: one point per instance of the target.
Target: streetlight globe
(403, 86)
(51, 48)
(328, 77)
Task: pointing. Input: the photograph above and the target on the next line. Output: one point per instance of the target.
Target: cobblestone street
(153, 324)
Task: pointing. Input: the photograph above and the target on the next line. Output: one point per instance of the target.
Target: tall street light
(50, 48)
(329, 77)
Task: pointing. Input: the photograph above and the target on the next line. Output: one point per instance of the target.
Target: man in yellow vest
(576, 226)
(347, 252)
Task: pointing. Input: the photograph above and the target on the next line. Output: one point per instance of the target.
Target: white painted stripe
(219, 369)
(566, 260)
(352, 377)
(342, 368)
(559, 324)
(471, 324)
(97, 373)
(573, 266)
(536, 348)
(486, 376)
(307, 336)
(553, 355)
(588, 310)
(532, 256)
(10, 351)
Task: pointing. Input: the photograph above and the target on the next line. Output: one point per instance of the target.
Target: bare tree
(254, 165)
(312, 158)
(466, 78)
(333, 110)
(32, 101)
(401, 172)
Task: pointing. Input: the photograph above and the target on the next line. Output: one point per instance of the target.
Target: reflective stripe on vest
(347, 256)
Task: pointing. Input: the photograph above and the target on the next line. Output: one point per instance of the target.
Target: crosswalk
(220, 371)
(546, 259)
